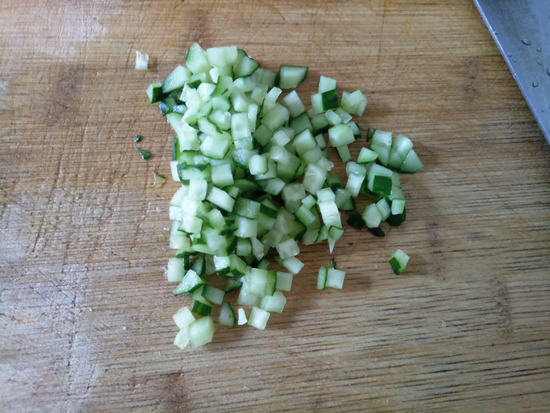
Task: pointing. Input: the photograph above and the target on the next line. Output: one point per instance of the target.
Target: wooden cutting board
(85, 311)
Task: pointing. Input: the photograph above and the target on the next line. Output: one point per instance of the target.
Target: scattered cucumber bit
(398, 262)
(142, 60)
(158, 179)
(144, 154)
(254, 179)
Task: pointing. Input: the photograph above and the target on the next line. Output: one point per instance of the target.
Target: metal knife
(521, 30)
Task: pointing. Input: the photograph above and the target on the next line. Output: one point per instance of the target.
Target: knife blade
(521, 30)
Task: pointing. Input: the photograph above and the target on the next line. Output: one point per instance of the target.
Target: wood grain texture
(85, 313)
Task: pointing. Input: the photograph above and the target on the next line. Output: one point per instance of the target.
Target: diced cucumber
(201, 331)
(294, 104)
(381, 144)
(183, 318)
(340, 135)
(213, 294)
(333, 118)
(190, 282)
(227, 316)
(175, 271)
(398, 219)
(293, 264)
(242, 317)
(399, 261)
(335, 278)
(320, 123)
(383, 208)
(326, 84)
(366, 156)
(247, 298)
(246, 67)
(196, 60)
(176, 80)
(258, 318)
(301, 123)
(276, 117)
(222, 56)
(379, 179)
(356, 220)
(182, 338)
(397, 206)
(354, 103)
(284, 281)
(412, 163)
(275, 303)
(201, 308)
(400, 148)
(232, 284)
(154, 91)
(291, 76)
(372, 216)
(246, 208)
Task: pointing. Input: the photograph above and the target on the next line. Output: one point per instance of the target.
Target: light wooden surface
(85, 313)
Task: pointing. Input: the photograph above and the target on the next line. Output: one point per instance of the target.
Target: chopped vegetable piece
(326, 84)
(201, 308)
(142, 60)
(190, 282)
(242, 317)
(370, 134)
(377, 232)
(291, 76)
(398, 219)
(356, 221)
(154, 91)
(398, 262)
(284, 281)
(258, 318)
(412, 163)
(275, 303)
(335, 278)
(183, 317)
(158, 179)
(227, 316)
(366, 156)
(201, 331)
(175, 271)
(182, 338)
(144, 154)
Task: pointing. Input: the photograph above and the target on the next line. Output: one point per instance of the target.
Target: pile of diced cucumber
(256, 180)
